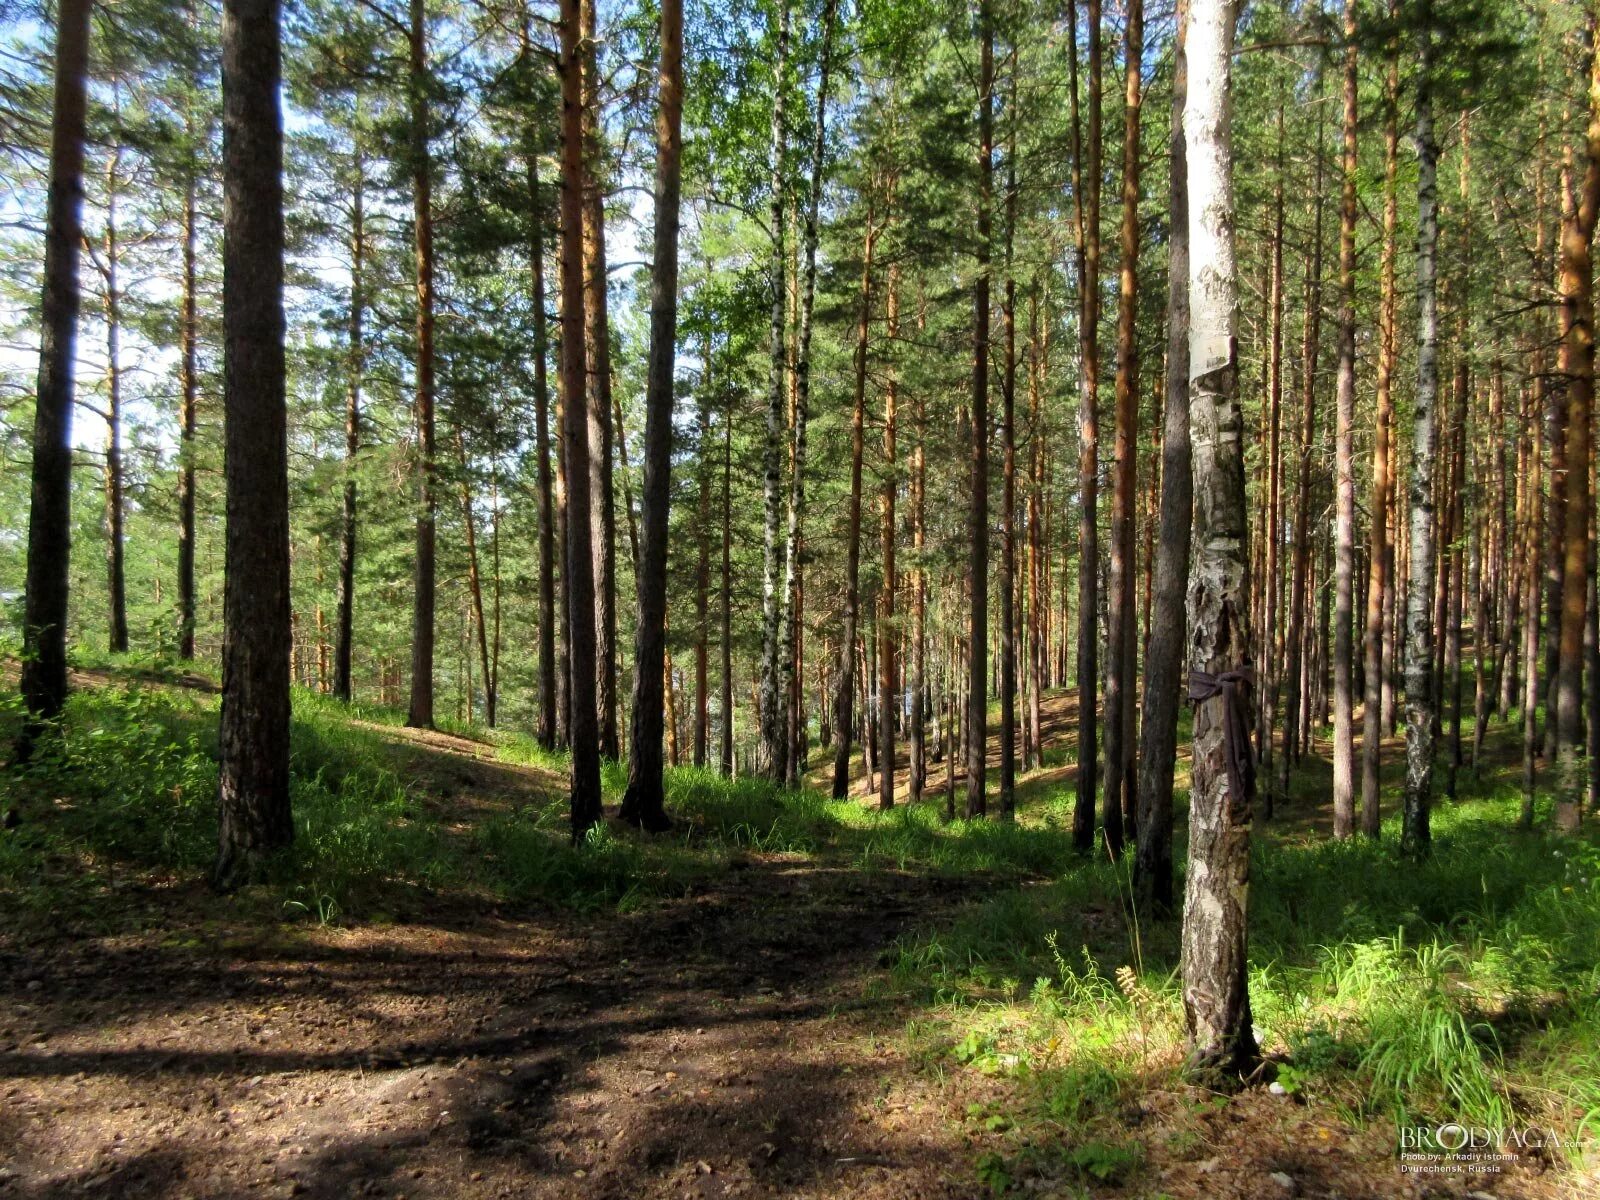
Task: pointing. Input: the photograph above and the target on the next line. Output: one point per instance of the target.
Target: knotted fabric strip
(1235, 725)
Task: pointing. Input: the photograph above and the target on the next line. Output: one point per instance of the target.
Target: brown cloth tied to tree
(1235, 725)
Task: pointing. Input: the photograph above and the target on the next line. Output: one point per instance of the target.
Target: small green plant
(994, 1173)
(1106, 1162)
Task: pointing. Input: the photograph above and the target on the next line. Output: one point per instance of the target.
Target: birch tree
(1216, 997)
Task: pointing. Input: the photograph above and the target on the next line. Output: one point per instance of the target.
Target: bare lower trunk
(44, 658)
(253, 756)
(644, 802)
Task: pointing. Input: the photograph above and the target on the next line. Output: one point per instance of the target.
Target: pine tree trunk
(644, 802)
(602, 432)
(1532, 556)
(475, 579)
(1381, 575)
(1120, 635)
(1271, 543)
(1344, 796)
(422, 627)
(578, 574)
(789, 634)
(1576, 285)
(1086, 228)
(1295, 676)
(1038, 570)
(355, 368)
(888, 687)
(189, 377)
(1008, 491)
(845, 695)
(44, 657)
(726, 640)
(1455, 508)
(978, 516)
(917, 772)
(1163, 671)
(1215, 962)
(116, 569)
(702, 573)
(253, 755)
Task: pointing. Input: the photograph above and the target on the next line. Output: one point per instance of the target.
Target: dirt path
(723, 1044)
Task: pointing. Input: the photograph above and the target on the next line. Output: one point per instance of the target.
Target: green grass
(1463, 988)
(127, 782)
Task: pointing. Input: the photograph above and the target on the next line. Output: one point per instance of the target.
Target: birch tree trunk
(774, 743)
(547, 691)
(1216, 999)
(1414, 835)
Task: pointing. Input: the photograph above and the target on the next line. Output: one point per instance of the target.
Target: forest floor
(785, 1021)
